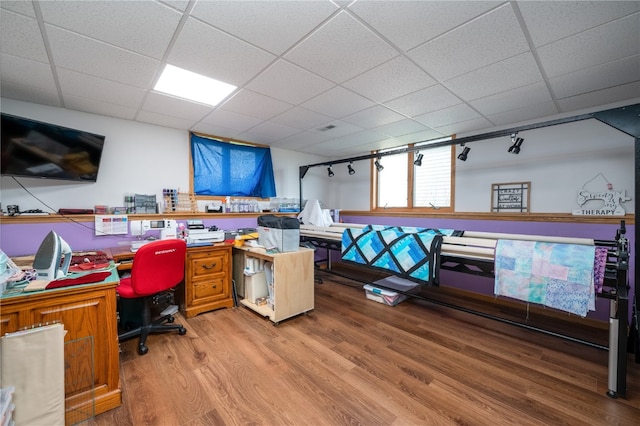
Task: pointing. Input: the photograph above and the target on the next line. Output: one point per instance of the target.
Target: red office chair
(157, 268)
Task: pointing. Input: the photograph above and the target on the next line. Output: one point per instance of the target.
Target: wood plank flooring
(357, 362)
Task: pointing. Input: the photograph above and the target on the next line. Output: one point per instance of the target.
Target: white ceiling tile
(410, 23)
(518, 71)
(208, 51)
(421, 136)
(488, 39)
(164, 120)
(302, 140)
(400, 75)
(443, 117)
(96, 58)
(599, 77)
(22, 7)
(353, 139)
(177, 4)
(255, 105)
(169, 105)
(402, 127)
(272, 25)
(301, 118)
(27, 72)
(238, 123)
(340, 128)
(465, 126)
(99, 107)
(272, 131)
(344, 41)
(601, 97)
(337, 102)
(522, 114)
(29, 93)
(120, 26)
(86, 86)
(20, 36)
(216, 130)
(594, 47)
(289, 83)
(373, 117)
(423, 101)
(550, 21)
(512, 99)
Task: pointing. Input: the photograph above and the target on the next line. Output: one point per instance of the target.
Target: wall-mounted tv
(40, 150)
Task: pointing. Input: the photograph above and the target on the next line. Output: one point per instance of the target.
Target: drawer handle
(214, 286)
(213, 265)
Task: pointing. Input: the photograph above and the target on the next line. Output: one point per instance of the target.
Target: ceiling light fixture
(351, 170)
(418, 161)
(330, 172)
(192, 86)
(379, 166)
(517, 142)
(463, 155)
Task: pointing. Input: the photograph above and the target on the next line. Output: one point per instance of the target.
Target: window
(234, 169)
(404, 185)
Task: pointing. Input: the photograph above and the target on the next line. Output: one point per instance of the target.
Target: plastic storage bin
(380, 291)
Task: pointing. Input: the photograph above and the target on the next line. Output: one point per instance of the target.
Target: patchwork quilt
(560, 276)
(409, 252)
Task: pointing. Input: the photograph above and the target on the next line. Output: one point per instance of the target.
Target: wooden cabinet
(207, 282)
(292, 291)
(88, 313)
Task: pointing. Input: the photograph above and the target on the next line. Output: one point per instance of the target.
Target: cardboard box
(381, 291)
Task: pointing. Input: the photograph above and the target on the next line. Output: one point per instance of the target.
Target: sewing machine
(168, 229)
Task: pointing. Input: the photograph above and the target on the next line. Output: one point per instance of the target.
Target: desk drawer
(210, 288)
(208, 263)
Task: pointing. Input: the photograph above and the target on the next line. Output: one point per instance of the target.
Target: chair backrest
(158, 266)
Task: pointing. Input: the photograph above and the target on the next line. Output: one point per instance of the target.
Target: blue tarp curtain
(222, 168)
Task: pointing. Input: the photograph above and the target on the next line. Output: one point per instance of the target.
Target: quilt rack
(473, 253)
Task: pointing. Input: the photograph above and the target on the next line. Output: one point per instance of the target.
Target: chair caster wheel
(142, 349)
(182, 331)
(170, 319)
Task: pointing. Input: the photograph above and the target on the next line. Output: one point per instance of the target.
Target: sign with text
(512, 197)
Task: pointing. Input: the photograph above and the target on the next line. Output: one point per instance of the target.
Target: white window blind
(432, 180)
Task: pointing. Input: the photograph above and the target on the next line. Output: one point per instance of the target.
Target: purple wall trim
(25, 239)
(485, 285)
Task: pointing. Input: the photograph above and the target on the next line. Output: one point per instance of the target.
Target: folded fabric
(93, 277)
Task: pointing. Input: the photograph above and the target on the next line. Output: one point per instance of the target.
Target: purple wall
(25, 239)
(485, 285)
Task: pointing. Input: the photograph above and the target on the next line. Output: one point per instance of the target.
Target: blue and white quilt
(409, 252)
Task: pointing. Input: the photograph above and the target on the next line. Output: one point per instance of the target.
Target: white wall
(137, 158)
(558, 161)
(143, 158)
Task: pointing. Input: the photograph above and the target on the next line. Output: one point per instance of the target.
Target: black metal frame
(624, 119)
(616, 289)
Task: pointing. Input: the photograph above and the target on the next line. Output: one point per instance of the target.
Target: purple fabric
(599, 264)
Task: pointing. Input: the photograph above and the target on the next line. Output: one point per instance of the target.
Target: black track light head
(418, 161)
(517, 143)
(463, 155)
(379, 167)
(330, 172)
(351, 170)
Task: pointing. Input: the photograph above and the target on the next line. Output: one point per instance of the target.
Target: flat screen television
(40, 150)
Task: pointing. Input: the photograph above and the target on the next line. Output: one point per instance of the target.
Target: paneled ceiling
(334, 78)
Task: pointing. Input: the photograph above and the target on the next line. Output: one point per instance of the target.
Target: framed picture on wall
(511, 197)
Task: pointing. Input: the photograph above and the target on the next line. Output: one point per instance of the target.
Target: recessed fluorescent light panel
(191, 86)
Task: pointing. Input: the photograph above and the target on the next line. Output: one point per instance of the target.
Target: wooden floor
(354, 361)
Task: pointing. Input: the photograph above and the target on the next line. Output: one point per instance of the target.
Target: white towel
(312, 214)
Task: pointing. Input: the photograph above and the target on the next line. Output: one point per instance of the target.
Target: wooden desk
(88, 313)
(207, 281)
